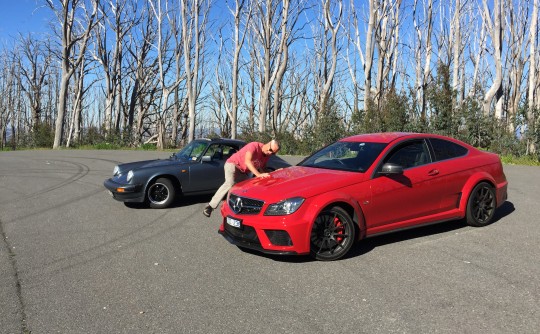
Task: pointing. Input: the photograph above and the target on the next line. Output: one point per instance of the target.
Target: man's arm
(252, 168)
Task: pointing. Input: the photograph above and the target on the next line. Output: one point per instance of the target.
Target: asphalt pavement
(73, 260)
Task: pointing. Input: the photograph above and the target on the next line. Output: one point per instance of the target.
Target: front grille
(246, 234)
(244, 205)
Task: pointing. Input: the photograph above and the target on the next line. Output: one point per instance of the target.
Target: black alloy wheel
(332, 235)
(481, 205)
(161, 193)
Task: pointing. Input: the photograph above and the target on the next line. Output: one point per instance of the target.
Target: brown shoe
(207, 211)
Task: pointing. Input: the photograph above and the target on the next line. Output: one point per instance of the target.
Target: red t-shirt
(258, 158)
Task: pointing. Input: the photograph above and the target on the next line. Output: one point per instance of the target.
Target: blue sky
(24, 16)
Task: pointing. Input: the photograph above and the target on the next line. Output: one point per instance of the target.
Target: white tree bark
(70, 40)
(194, 20)
(477, 54)
(373, 9)
(456, 51)
(423, 69)
(495, 29)
(34, 62)
(533, 100)
(333, 28)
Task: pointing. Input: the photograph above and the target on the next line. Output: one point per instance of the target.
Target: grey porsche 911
(196, 169)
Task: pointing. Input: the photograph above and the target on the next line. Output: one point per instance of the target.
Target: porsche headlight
(285, 207)
(129, 175)
(116, 171)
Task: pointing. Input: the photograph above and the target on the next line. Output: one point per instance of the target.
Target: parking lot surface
(73, 260)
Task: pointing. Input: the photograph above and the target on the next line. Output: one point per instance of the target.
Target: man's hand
(264, 175)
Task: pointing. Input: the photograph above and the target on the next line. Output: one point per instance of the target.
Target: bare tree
(423, 65)
(75, 33)
(118, 18)
(295, 107)
(164, 36)
(477, 49)
(7, 78)
(456, 50)
(495, 29)
(533, 93)
(79, 89)
(194, 20)
(330, 26)
(367, 56)
(34, 65)
(386, 37)
(516, 40)
(273, 28)
(229, 88)
(143, 71)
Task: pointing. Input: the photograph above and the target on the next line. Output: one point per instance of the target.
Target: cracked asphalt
(73, 260)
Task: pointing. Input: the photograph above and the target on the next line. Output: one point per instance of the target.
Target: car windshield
(192, 151)
(350, 156)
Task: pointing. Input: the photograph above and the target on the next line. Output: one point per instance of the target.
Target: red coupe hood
(296, 181)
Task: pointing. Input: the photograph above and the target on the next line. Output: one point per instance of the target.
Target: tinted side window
(409, 155)
(446, 150)
(221, 152)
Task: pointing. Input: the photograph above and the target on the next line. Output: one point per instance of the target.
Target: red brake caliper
(339, 228)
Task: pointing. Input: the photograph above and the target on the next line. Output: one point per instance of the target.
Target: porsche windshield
(193, 150)
(350, 156)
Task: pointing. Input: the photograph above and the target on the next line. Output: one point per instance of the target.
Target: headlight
(116, 171)
(129, 175)
(285, 207)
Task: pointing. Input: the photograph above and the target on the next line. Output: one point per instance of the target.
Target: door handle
(433, 172)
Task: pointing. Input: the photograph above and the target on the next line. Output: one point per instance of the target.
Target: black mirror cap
(391, 169)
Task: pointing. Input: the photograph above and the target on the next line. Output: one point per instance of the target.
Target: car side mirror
(206, 158)
(391, 169)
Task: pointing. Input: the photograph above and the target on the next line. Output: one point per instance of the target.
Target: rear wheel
(332, 235)
(481, 205)
(161, 193)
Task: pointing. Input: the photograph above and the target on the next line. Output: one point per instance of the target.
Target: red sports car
(362, 186)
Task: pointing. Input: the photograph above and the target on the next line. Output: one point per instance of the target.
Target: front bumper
(283, 235)
(125, 192)
(248, 240)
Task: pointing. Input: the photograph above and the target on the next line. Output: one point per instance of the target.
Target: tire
(481, 205)
(161, 193)
(332, 235)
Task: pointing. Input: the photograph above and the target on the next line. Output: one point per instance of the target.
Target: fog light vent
(279, 237)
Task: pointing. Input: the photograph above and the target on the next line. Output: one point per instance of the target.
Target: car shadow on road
(367, 245)
(180, 202)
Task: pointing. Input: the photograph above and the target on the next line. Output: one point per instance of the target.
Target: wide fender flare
(336, 198)
(169, 174)
(470, 184)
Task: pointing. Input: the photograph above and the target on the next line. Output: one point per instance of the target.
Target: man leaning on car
(250, 158)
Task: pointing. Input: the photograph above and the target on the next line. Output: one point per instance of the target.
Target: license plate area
(236, 223)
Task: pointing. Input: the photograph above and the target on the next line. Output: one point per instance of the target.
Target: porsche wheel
(161, 193)
(332, 235)
(481, 205)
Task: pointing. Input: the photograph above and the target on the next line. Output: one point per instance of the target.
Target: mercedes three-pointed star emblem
(237, 205)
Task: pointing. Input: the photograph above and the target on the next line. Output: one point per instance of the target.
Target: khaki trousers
(232, 176)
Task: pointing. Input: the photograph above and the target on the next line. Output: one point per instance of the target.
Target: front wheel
(161, 193)
(332, 235)
(481, 205)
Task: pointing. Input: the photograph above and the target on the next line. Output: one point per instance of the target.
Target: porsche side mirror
(391, 169)
(206, 158)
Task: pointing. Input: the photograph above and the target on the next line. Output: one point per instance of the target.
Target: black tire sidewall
(172, 192)
(349, 242)
(469, 216)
